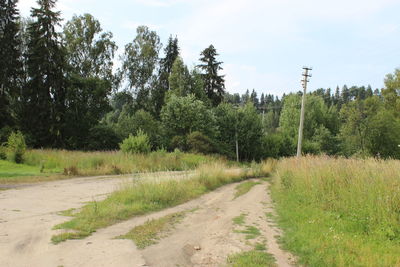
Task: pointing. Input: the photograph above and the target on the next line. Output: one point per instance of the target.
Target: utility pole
(304, 81)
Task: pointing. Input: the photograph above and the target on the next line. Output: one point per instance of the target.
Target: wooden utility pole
(304, 81)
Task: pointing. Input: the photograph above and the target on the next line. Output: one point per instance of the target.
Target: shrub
(3, 154)
(179, 142)
(16, 145)
(102, 137)
(199, 143)
(136, 144)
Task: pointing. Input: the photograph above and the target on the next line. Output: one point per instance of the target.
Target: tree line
(61, 90)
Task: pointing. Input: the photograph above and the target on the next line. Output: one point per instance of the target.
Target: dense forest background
(60, 88)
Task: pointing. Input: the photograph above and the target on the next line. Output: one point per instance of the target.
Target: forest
(63, 86)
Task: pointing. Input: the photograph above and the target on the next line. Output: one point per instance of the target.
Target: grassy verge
(11, 172)
(339, 212)
(144, 197)
(152, 231)
(243, 188)
(48, 164)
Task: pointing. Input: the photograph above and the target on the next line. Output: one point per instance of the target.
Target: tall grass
(113, 162)
(340, 212)
(142, 197)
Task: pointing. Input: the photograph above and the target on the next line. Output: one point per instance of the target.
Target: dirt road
(28, 214)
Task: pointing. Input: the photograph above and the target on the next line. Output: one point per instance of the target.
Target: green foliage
(182, 115)
(11, 70)
(141, 120)
(199, 143)
(249, 133)
(214, 83)
(43, 102)
(16, 146)
(90, 51)
(139, 62)
(102, 137)
(136, 144)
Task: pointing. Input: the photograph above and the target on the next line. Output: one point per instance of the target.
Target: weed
(260, 247)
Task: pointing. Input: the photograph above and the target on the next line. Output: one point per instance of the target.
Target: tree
(90, 51)
(249, 133)
(227, 122)
(44, 95)
(391, 94)
(315, 113)
(139, 63)
(171, 53)
(214, 83)
(10, 61)
(141, 120)
(183, 82)
(183, 115)
(86, 102)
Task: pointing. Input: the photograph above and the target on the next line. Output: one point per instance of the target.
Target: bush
(3, 150)
(136, 144)
(16, 145)
(179, 142)
(102, 137)
(199, 143)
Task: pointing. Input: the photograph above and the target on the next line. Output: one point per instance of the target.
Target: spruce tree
(10, 64)
(44, 95)
(214, 83)
(171, 52)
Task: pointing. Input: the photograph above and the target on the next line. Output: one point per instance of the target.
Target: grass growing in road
(152, 231)
(339, 212)
(253, 258)
(144, 197)
(251, 232)
(245, 187)
(239, 220)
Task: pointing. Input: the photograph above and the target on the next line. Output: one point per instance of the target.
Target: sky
(264, 44)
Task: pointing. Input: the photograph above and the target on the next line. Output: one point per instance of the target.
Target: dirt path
(28, 214)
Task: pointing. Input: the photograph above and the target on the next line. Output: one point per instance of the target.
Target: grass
(239, 220)
(245, 187)
(253, 258)
(10, 172)
(339, 212)
(147, 196)
(251, 232)
(51, 164)
(152, 231)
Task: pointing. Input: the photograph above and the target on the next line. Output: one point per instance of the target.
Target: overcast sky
(265, 43)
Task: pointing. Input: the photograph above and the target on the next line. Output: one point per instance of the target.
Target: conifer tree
(214, 83)
(171, 52)
(10, 64)
(44, 95)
